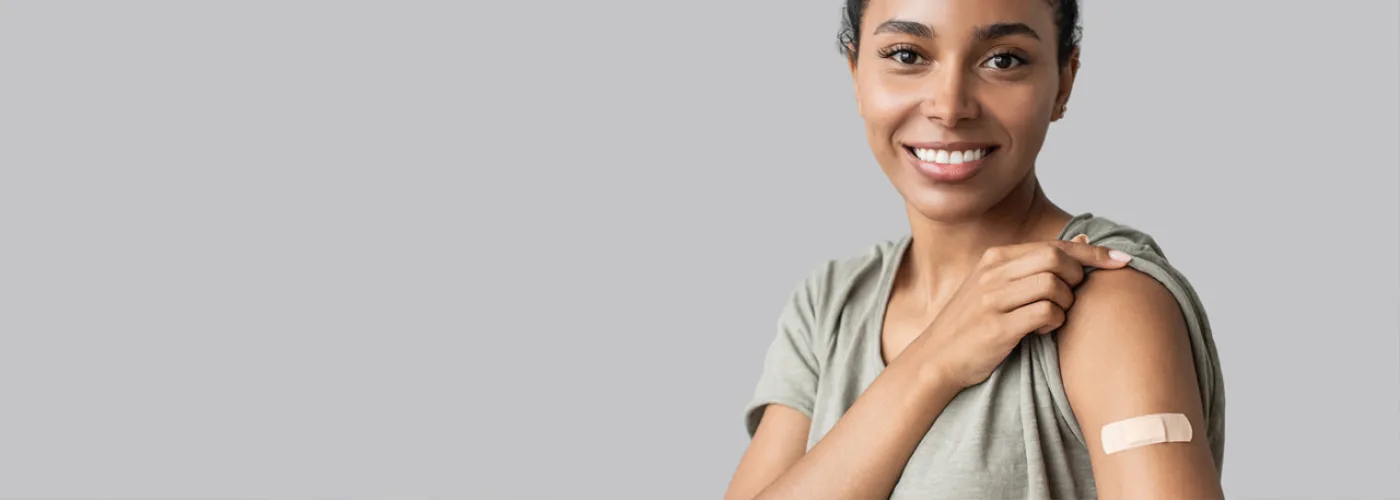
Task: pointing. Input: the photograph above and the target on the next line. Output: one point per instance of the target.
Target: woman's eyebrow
(899, 26)
(981, 34)
(1001, 30)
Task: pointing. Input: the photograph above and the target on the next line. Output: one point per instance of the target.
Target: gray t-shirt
(1013, 436)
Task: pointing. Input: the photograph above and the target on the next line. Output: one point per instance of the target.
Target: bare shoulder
(1111, 301)
(1125, 332)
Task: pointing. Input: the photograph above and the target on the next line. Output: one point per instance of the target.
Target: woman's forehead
(960, 14)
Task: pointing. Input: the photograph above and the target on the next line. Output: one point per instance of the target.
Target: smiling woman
(982, 354)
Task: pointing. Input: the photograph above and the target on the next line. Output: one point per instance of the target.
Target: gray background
(536, 249)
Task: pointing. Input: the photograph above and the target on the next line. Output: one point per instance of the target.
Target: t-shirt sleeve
(790, 367)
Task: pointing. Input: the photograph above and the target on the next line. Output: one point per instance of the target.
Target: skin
(949, 87)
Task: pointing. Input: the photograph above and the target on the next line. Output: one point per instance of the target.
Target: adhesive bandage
(1145, 430)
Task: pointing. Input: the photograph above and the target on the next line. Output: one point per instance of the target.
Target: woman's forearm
(865, 453)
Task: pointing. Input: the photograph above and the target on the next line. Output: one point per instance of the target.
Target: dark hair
(1066, 23)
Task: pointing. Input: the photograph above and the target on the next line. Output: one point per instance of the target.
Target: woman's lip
(945, 172)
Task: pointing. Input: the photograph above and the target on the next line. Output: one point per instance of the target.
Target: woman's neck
(943, 253)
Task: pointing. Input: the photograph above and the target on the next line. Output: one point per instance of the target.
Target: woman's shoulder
(1110, 232)
(843, 283)
(866, 266)
(1148, 255)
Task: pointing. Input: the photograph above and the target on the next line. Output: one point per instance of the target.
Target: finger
(1065, 258)
(1044, 259)
(1093, 255)
(1089, 255)
(1035, 288)
(1082, 238)
(1037, 317)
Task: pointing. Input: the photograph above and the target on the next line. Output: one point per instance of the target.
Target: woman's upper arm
(781, 439)
(1125, 352)
(777, 417)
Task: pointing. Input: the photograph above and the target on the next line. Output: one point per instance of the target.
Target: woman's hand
(1013, 291)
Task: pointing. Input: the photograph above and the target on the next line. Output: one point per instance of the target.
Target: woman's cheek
(887, 105)
(885, 108)
(1015, 104)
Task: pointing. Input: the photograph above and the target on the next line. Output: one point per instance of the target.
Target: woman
(981, 355)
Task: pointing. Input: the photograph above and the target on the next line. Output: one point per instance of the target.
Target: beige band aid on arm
(1145, 430)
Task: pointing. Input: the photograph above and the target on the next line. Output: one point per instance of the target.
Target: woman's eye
(1003, 61)
(905, 57)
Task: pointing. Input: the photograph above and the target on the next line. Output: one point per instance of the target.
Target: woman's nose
(947, 98)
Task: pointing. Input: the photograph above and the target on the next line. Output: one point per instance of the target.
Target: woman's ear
(1067, 75)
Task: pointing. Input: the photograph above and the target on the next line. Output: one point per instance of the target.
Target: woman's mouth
(951, 162)
(947, 157)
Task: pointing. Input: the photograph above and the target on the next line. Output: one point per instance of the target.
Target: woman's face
(957, 96)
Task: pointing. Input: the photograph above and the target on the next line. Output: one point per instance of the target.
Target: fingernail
(1119, 256)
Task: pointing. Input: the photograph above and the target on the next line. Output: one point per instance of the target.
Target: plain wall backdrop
(498, 250)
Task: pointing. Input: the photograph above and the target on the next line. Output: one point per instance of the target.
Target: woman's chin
(956, 201)
(949, 207)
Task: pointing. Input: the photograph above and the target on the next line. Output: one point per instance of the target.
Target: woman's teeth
(950, 157)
